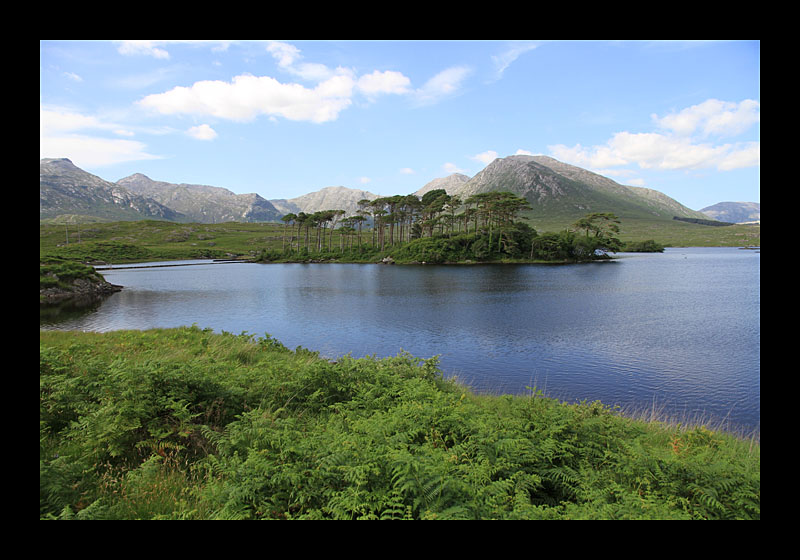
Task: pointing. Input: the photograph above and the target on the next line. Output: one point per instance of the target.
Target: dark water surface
(680, 331)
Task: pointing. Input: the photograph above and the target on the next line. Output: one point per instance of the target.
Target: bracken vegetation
(189, 424)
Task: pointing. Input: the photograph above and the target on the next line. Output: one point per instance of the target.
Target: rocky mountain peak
(450, 184)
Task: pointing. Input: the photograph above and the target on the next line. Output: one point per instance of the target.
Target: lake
(678, 331)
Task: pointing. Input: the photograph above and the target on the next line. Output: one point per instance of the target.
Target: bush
(436, 249)
(649, 246)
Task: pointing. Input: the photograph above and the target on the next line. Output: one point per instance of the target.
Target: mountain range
(67, 192)
(65, 189)
(736, 212)
(328, 198)
(203, 203)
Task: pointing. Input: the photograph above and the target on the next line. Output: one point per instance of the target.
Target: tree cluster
(438, 227)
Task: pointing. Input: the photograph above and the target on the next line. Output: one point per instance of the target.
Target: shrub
(649, 246)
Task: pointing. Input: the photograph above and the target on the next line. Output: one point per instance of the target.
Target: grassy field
(188, 424)
(673, 233)
(119, 242)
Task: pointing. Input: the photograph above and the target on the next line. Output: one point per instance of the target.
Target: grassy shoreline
(185, 423)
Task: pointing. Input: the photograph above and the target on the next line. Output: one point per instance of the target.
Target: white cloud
(64, 133)
(60, 120)
(377, 82)
(284, 53)
(384, 82)
(486, 157)
(712, 117)
(87, 151)
(503, 60)
(247, 96)
(364, 180)
(743, 155)
(154, 48)
(594, 157)
(684, 141)
(445, 83)
(146, 48)
(659, 151)
(202, 132)
(407, 171)
(288, 57)
(452, 168)
(55, 120)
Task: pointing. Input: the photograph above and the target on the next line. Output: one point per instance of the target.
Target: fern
(395, 508)
(224, 426)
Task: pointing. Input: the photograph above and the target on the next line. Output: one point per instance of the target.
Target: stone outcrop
(83, 291)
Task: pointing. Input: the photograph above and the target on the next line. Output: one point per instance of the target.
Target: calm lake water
(678, 331)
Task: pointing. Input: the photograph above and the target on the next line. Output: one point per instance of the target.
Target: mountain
(450, 184)
(554, 188)
(558, 192)
(67, 189)
(203, 203)
(736, 212)
(328, 198)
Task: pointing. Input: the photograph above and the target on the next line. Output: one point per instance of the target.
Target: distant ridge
(328, 198)
(66, 189)
(203, 203)
(736, 212)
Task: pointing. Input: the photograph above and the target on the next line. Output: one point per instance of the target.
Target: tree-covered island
(441, 228)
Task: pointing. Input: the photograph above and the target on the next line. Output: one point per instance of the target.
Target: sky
(283, 118)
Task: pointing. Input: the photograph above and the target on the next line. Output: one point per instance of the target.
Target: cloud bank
(690, 139)
(62, 131)
(247, 97)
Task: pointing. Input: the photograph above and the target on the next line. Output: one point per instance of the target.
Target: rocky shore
(81, 291)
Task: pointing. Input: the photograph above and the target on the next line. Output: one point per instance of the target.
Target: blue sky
(283, 118)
